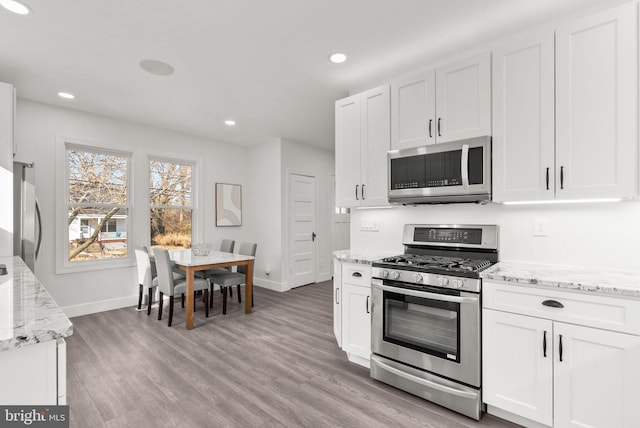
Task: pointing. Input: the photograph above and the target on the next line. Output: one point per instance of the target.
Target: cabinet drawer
(357, 274)
(609, 313)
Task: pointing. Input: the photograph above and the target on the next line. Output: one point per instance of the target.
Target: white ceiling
(262, 63)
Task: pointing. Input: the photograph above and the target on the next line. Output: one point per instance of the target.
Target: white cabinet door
(337, 297)
(463, 99)
(375, 144)
(348, 138)
(356, 320)
(29, 375)
(596, 382)
(517, 370)
(523, 119)
(413, 110)
(596, 102)
(6, 167)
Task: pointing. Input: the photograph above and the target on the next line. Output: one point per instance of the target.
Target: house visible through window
(97, 203)
(170, 201)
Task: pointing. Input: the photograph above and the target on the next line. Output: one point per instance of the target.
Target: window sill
(95, 265)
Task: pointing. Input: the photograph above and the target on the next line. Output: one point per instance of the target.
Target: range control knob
(385, 273)
(443, 281)
(395, 274)
(418, 278)
(458, 283)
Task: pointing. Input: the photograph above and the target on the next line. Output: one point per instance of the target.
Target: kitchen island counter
(28, 314)
(614, 283)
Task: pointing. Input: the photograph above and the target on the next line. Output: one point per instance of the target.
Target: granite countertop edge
(606, 282)
(365, 257)
(36, 317)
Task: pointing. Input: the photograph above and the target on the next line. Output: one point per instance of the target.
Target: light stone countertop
(28, 314)
(365, 257)
(612, 283)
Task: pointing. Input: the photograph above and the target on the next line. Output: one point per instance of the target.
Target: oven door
(432, 331)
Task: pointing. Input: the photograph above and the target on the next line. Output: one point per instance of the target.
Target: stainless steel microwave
(458, 171)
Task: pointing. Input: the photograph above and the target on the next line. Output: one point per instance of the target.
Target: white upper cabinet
(7, 102)
(523, 119)
(413, 106)
(450, 103)
(463, 99)
(587, 147)
(362, 142)
(347, 151)
(596, 105)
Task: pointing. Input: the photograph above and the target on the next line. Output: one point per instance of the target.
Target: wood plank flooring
(277, 367)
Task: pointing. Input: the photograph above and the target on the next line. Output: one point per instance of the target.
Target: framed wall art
(228, 204)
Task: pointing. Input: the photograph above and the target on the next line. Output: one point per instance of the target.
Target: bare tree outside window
(170, 185)
(97, 204)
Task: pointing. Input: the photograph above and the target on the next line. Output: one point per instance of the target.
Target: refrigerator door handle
(39, 220)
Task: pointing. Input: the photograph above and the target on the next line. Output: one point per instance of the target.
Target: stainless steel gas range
(425, 314)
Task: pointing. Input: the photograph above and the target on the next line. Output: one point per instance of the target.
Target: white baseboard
(100, 306)
(271, 285)
(325, 276)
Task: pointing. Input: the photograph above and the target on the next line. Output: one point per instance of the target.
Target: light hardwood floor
(277, 367)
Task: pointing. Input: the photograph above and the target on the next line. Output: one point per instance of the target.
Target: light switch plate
(369, 225)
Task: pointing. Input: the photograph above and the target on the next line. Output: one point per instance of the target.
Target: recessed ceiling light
(66, 95)
(14, 6)
(337, 57)
(230, 122)
(156, 67)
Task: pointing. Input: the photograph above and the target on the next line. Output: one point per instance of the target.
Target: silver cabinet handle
(357, 185)
(337, 289)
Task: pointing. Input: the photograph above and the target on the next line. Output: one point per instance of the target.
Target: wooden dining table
(186, 261)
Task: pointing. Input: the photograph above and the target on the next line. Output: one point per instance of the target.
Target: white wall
(602, 235)
(264, 210)
(320, 163)
(36, 128)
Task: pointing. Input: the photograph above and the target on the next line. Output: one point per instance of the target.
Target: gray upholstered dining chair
(169, 285)
(226, 246)
(226, 280)
(146, 276)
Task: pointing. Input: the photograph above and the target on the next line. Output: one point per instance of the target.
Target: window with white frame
(97, 203)
(170, 203)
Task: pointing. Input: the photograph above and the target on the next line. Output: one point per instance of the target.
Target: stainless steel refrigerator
(27, 222)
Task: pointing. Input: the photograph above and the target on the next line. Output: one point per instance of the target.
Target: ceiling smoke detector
(156, 67)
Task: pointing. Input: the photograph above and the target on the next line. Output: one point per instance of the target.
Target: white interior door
(302, 233)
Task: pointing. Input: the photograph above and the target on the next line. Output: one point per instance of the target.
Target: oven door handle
(426, 295)
(424, 382)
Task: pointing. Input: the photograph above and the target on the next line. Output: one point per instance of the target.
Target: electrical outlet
(369, 225)
(540, 227)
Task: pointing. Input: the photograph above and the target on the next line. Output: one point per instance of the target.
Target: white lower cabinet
(352, 310)
(337, 308)
(517, 377)
(34, 374)
(543, 371)
(356, 321)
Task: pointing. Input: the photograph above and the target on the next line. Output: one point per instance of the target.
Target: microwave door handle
(464, 166)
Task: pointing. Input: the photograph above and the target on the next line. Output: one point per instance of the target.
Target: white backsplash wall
(605, 235)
